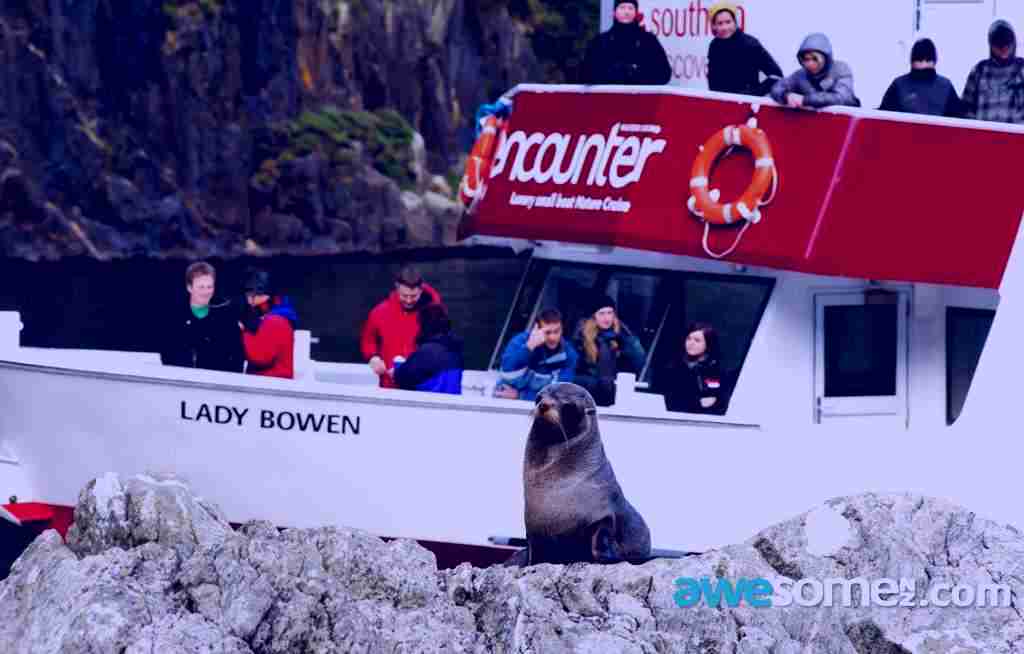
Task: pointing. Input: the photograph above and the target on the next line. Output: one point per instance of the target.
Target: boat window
(861, 350)
(656, 305)
(966, 332)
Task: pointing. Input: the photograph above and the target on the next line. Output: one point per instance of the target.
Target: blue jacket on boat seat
(436, 366)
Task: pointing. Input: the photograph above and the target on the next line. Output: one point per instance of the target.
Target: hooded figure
(736, 59)
(923, 90)
(268, 329)
(626, 54)
(823, 83)
(995, 88)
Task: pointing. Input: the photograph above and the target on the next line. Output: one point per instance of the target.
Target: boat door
(959, 29)
(860, 354)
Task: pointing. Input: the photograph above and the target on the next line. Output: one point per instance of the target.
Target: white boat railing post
(10, 330)
(625, 388)
(303, 353)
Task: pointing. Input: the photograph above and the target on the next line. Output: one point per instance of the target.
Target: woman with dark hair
(692, 381)
(436, 365)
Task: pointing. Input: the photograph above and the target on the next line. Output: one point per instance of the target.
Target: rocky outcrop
(148, 566)
(222, 127)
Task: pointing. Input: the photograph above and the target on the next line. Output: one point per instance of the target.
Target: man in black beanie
(923, 90)
(995, 88)
(627, 53)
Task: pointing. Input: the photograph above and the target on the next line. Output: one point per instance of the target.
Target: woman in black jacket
(692, 381)
(736, 59)
(627, 53)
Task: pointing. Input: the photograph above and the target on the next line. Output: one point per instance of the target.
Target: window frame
(669, 279)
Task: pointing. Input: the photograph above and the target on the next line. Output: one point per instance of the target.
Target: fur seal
(575, 509)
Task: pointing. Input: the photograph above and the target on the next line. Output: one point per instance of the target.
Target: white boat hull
(443, 468)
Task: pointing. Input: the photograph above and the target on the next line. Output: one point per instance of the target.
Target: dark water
(117, 305)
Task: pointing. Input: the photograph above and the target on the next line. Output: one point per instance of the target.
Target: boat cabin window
(861, 354)
(966, 332)
(656, 305)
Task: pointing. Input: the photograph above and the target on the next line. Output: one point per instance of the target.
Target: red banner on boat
(858, 195)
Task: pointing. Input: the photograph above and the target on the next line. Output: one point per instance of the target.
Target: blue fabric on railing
(502, 108)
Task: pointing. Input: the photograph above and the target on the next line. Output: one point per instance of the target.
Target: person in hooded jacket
(692, 381)
(923, 90)
(736, 59)
(995, 87)
(626, 53)
(268, 329)
(436, 365)
(821, 81)
(607, 347)
(202, 333)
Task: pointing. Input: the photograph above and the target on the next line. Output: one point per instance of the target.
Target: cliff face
(220, 127)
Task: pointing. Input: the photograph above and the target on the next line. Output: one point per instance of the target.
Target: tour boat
(868, 317)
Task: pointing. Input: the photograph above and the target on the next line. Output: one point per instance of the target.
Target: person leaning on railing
(736, 59)
(821, 81)
(626, 53)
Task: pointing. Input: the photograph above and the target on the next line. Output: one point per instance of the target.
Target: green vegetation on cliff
(346, 138)
(559, 32)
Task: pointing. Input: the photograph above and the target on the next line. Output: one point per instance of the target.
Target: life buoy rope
(704, 200)
(478, 165)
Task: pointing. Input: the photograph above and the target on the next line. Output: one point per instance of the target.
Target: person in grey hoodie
(995, 88)
(821, 81)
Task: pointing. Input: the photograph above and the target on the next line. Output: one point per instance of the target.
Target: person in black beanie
(923, 90)
(605, 345)
(626, 54)
(736, 59)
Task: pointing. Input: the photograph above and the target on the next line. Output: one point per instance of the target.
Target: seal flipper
(520, 559)
(604, 541)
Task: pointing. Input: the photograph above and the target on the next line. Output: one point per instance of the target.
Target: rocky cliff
(221, 127)
(150, 567)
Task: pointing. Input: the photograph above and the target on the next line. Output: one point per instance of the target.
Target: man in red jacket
(392, 326)
(268, 330)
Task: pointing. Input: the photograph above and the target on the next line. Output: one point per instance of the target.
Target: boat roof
(861, 193)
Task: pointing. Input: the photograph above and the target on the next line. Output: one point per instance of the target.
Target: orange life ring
(478, 166)
(704, 202)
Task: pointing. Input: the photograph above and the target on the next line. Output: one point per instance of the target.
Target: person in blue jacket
(437, 363)
(536, 358)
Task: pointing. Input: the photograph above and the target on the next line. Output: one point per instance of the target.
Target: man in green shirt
(202, 333)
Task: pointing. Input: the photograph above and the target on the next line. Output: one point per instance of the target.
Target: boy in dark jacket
(626, 54)
(923, 90)
(436, 365)
(202, 333)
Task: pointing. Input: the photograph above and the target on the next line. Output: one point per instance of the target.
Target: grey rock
(151, 567)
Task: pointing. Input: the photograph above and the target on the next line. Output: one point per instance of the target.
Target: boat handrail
(312, 389)
(861, 112)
